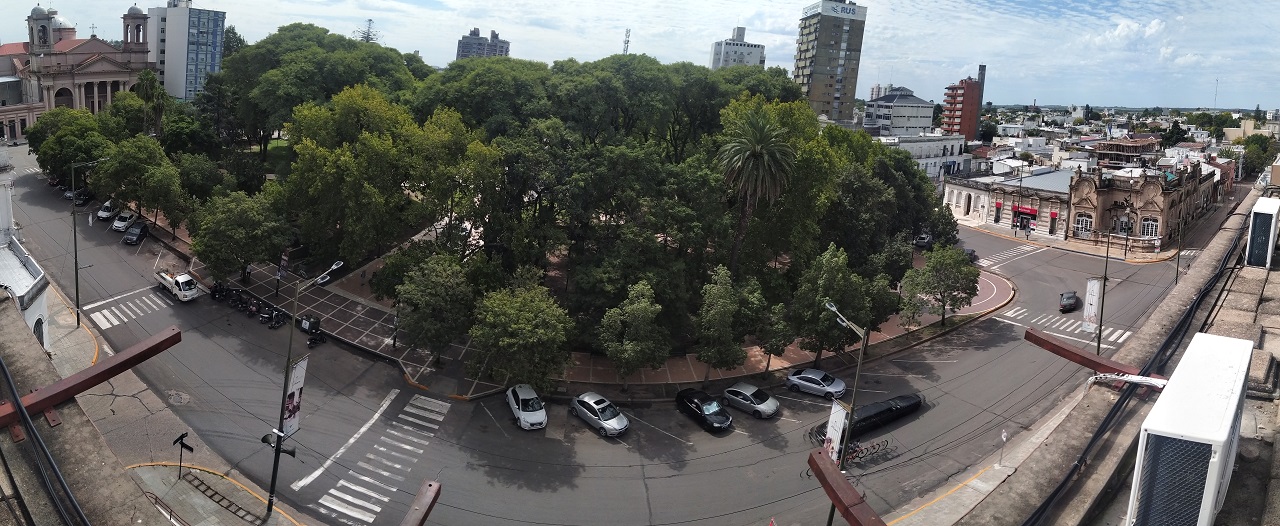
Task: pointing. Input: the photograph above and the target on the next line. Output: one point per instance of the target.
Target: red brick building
(962, 105)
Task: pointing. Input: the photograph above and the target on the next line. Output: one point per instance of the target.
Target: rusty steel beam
(67, 388)
(423, 503)
(843, 495)
(1083, 357)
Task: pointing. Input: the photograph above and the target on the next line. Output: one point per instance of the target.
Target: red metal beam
(1083, 357)
(67, 388)
(846, 498)
(423, 503)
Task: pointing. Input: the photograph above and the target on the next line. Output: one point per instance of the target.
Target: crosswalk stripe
(423, 401)
(150, 303)
(415, 430)
(163, 299)
(1073, 325)
(1125, 337)
(134, 309)
(107, 314)
(101, 320)
(386, 462)
(409, 438)
(416, 421)
(420, 412)
(120, 314)
(371, 481)
(372, 507)
(383, 449)
(368, 492)
(1115, 335)
(365, 466)
(398, 444)
(359, 514)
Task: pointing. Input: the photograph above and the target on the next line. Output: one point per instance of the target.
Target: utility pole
(626, 42)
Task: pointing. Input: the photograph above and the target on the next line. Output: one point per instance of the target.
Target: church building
(54, 68)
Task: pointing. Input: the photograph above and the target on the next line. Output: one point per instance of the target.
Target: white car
(528, 408)
(123, 221)
(108, 209)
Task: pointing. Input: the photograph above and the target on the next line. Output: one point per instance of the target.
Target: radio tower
(626, 41)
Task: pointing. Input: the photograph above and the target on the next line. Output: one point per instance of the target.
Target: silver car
(527, 407)
(600, 414)
(751, 399)
(816, 381)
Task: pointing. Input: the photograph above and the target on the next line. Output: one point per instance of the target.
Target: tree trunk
(738, 237)
(706, 378)
(768, 360)
(817, 357)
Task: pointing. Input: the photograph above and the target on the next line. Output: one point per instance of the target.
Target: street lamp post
(853, 391)
(75, 242)
(284, 394)
(1102, 299)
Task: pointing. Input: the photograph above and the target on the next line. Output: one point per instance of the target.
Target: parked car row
(709, 411)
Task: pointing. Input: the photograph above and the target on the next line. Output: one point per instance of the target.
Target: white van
(108, 209)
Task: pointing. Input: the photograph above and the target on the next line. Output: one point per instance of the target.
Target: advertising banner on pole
(835, 430)
(293, 401)
(1091, 296)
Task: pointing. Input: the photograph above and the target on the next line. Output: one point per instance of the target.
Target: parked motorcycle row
(272, 317)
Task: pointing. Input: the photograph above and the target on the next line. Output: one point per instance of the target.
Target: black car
(136, 233)
(703, 408)
(1068, 301)
(82, 197)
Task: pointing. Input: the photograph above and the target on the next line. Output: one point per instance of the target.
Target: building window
(1084, 224)
(1150, 226)
(1124, 225)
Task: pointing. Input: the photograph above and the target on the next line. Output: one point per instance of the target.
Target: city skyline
(1129, 53)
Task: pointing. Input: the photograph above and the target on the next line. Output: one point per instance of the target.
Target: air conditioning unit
(1188, 443)
(1262, 232)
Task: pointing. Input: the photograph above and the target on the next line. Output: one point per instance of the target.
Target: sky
(1134, 53)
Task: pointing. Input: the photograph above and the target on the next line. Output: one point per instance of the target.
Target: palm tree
(757, 161)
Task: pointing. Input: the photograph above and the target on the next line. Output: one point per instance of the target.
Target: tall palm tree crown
(756, 162)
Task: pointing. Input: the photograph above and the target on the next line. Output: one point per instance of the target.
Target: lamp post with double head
(853, 391)
(284, 394)
(75, 243)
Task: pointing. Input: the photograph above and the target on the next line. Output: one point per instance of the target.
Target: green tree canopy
(718, 344)
(948, 281)
(631, 335)
(521, 333)
(436, 303)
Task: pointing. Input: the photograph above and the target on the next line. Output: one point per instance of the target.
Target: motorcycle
(277, 320)
(254, 307)
(266, 315)
(218, 292)
(316, 339)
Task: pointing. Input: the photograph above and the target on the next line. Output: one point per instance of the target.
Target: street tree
(435, 303)
(775, 333)
(718, 344)
(521, 334)
(76, 142)
(154, 99)
(125, 117)
(943, 227)
(161, 190)
(756, 161)
(123, 173)
(947, 281)
(631, 334)
(235, 231)
(863, 301)
(53, 121)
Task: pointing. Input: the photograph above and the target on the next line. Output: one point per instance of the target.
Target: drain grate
(218, 498)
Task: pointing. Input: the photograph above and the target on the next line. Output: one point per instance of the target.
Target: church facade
(54, 68)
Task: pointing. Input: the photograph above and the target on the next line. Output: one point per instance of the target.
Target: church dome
(59, 23)
(135, 10)
(38, 11)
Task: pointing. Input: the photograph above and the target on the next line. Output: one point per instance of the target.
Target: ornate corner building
(55, 68)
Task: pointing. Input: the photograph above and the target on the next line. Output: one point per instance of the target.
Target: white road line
(386, 462)
(1073, 326)
(788, 419)
(1010, 322)
(142, 309)
(1115, 335)
(330, 513)
(101, 320)
(1061, 323)
(1040, 318)
(107, 313)
(420, 412)
(372, 507)
(365, 466)
(1078, 339)
(113, 298)
(121, 311)
(383, 449)
(412, 429)
(416, 421)
(1106, 331)
(637, 419)
(162, 299)
(1125, 337)
(371, 481)
(828, 404)
(409, 438)
(400, 445)
(151, 304)
(329, 461)
(495, 421)
(1020, 256)
(338, 506)
(369, 492)
(419, 400)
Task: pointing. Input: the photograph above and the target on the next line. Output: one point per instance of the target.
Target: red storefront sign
(1053, 215)
(1026, 210)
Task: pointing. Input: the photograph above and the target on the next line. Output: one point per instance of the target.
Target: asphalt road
(367, 440)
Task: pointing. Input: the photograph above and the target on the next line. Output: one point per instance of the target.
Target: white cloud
(1057, 52)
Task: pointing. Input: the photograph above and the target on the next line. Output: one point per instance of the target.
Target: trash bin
(309, 324)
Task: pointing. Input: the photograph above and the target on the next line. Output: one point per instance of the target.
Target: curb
(1065, 249)
(224, 477)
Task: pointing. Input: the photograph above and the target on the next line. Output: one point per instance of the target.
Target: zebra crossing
(366, 488)
(121, 312)
(1013, 253)
(1061, 325)
(32, 170)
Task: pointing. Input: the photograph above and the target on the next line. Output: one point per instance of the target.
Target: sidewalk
(139, 429)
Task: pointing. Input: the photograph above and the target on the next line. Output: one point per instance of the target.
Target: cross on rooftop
(93, 29)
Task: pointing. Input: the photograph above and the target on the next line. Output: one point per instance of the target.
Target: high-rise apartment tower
(736, 51)
(474, 45)
(828, 52)
(186, 46)
(962, 106)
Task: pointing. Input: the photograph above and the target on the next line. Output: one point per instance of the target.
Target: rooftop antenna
(626, 42)
(1215, 94)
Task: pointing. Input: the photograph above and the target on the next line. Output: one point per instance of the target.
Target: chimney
(739, 34)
